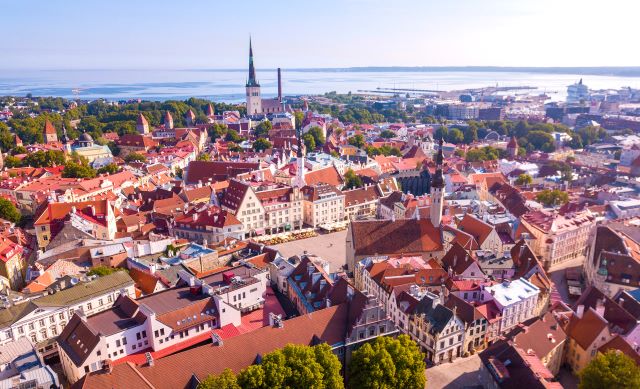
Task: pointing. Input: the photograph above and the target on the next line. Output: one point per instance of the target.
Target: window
(52, 319)
(144, 333)
(110, 299)
(138, 336)
(89, 306)
(98, 353)
(124, 341)
(100, 302)
(31, 326)
(161, 331)
(86, 369)
(117, 342)
(20, 330)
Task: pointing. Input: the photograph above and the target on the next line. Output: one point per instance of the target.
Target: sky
(214, 34)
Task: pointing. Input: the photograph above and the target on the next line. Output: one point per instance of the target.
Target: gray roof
(81, 292)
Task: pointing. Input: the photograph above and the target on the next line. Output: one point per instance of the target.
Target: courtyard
(330, 247)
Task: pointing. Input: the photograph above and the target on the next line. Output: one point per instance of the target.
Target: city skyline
(201, 35)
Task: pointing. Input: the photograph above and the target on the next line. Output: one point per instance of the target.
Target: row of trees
(99, 117)
(385, 363)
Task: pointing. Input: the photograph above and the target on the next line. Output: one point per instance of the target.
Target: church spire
(252, 70)
(438, 180)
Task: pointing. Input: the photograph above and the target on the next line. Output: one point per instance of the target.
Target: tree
(218, 131)
(387, 134)
(232, 136)
(6, 138)
(8, 211)
(294, 366)
(388, 363)
(135, 157)
(612, 369)
(524, 179)
(203, 157)
(352, 180)
(309, 141)
(357, 141)
(261, 144)
(78, 170)
(455, 136)
(317, 134)
(111, 168)
(101, 271)
(225, 380)
(552, 197)
(262, 129)
(44, 159)
(299, 117)
(471, 133)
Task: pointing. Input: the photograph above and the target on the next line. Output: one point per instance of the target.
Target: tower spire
(252, 70)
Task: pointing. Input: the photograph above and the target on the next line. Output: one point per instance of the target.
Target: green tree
(612, 369)
(111, 168)
(261, 144)
(553, 197)
(387, 134)
(78, 170)
(352, 180)
(524, 179)
(357, 141)
(225, 380)
(317, 134)
(388, 363)
(203, 157)
(232, 136)
(299, 117)
(262, 129)
(135, 157)
(44, 159)
(8, 211)
(309, 141)
(455, 136)
(6, 138)
(218, 131)
(11, 161)
(470, 133)
(294, 366)
(101, 271)
(18, 150)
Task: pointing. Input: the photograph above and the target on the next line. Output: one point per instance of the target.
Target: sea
(228, 85)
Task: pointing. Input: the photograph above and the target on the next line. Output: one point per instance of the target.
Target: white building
(171, 318)
(625, 208)
(43, 319)
(515, 299)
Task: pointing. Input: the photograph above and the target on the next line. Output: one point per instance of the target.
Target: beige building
(323, 204)
(558, 237)
(587, 331)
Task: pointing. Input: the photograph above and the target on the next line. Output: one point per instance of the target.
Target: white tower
(298, 181)
(437, 191)
(254, 100)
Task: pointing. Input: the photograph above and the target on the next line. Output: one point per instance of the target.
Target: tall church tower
(437, 191)
(298, 181)
(254, 100)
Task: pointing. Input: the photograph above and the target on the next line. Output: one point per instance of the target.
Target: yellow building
(12, 263)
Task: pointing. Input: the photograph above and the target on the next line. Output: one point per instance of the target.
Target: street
(557, 275)
(463, 372)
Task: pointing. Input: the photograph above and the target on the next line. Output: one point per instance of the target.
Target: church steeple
(438, 180)
(252, 81)
(437, 190)
(299, 181)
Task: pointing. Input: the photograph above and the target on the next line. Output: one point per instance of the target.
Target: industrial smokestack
(279, 86)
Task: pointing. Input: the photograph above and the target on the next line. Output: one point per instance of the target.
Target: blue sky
(187, 34)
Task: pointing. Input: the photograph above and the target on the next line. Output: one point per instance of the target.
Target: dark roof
(613, 313)
(205, 171)
(384, 237)
(78, 340)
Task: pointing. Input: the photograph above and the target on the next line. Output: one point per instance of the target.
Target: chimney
(600, 308)
(580, 311)
(279, 86)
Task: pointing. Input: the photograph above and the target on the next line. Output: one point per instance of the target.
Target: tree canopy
(261, 144)
(553, 197)
(8, 211)
(262, 129)
(352, 180)
(294, 366)
(135, 157)
(387, 363)
(357, 140)
(612, 369)
(524, 179)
